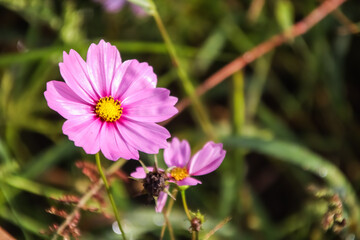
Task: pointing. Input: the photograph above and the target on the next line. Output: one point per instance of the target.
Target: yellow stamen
(179, 173)
(108, 109)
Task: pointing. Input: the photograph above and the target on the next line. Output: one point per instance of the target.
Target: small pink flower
(207, 160)
(183, 166)
(110, 105)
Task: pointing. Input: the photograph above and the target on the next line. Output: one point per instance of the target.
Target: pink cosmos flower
(183, 166)
(206, 160)
(110, 105)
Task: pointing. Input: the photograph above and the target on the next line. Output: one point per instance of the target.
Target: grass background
(288, 120)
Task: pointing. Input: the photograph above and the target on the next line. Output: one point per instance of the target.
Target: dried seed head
(154, 182)
(196, 224)
(196, 221)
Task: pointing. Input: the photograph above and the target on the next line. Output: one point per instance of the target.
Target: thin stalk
(193, 235)
(108, 190)
(166, 217)
(186, 209)
(199, 109)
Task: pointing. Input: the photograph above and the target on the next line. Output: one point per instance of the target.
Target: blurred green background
(288, 121)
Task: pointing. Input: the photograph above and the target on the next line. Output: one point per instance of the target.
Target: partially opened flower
(154, 184)
(110, 105)
(177, 156)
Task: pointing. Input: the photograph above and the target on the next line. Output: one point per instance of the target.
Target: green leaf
(33, 187)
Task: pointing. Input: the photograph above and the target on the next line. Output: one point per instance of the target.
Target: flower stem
(166, 217)
(186, 209)
(108, 190)
(199, 109)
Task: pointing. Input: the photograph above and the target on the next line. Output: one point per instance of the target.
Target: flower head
(154, 184)
(177, 156)
(110, 105)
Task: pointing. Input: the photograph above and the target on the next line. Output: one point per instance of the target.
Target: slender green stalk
(239, 118)
(186, 209)
(238, 102)
(108, 190)
(199, 109)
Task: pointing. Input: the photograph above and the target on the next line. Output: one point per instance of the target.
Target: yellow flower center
(108, 109)
(179, 173)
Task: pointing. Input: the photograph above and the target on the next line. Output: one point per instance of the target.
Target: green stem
(193, 235)
(186, 209)
(108, 190)
(199, 109)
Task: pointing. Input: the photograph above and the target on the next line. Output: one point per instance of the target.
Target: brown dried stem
(216, 228)
(94, 189)
(296, 30)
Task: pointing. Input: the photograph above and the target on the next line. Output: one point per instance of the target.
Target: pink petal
(103, 60)
(113, 146)
(63, 100)
(177, 154)
(146, 137)
(112, 5)
(85, 132)
(161, 201)
(132, 77)
(150, 105)
(189, 181)
(139, 11)
(207, 159)
(140, 172)
(74, 71)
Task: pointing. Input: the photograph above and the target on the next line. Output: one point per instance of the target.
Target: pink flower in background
(110, 105)
(183, 166)
(116, 5)
(177, 156)
(161, 200)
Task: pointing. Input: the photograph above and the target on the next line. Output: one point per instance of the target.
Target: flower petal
(102, 62)
(112, 5)
(74, 71)
(189, 181)
(177, 154)
(63, 100)
(207, 159)
(161, 201)
(146, 137)
(113, 146)
(85, 132)
(150, 105)
(140, 172)
(131, 77)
